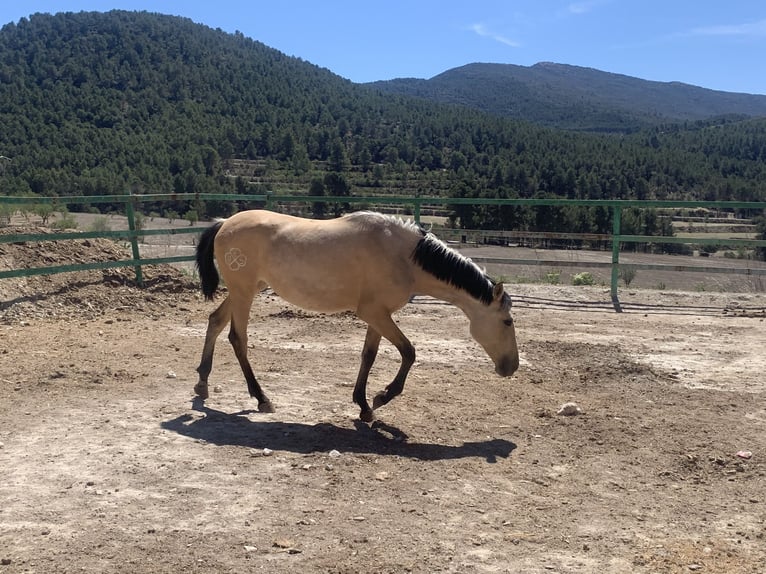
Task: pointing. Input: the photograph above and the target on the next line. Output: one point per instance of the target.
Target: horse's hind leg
(215, 325)
(240, 313)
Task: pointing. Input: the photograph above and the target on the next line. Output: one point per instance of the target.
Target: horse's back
(325, 265)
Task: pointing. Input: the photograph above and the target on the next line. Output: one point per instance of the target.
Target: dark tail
(205, 261)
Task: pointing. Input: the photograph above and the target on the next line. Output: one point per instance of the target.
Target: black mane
(449, 266)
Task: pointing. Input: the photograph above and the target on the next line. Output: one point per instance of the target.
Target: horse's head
(492, 327)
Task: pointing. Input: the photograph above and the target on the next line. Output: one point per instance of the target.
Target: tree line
(108, 103)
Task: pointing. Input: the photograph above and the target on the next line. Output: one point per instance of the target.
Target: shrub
(583, 278)
(6, 212)
(44, 211)
(552, 277)
(627, 274)
(66, 221)
(139, 220)
(100, 224)
(191, 216)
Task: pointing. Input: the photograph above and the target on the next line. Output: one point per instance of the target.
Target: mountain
(576, 98)
(105, 103)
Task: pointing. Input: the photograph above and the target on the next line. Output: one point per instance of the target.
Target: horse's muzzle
(507, 366)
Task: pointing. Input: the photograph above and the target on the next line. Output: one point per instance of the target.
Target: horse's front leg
(407, 351)
(369, 353)
(216, 322)
(387, 328)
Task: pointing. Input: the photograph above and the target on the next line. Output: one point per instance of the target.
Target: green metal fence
(416, 204)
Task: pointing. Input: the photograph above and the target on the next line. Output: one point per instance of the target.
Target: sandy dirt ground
(110, 465)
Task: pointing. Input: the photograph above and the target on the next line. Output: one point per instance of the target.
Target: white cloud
(485, 32)
(583, 7)
(747, 29)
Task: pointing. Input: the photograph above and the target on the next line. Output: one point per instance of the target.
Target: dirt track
(110, 465)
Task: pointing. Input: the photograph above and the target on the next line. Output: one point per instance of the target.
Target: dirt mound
(82, 294)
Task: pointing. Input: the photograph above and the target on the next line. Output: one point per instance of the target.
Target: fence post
(134, 239)
(616, 230)
(417, 203)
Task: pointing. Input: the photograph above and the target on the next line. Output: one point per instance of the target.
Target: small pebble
(282, 543)
(171, 375)
(569, 409)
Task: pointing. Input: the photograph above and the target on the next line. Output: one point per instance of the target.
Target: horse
(365, 262)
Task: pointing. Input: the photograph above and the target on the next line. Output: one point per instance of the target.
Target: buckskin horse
(364, 262)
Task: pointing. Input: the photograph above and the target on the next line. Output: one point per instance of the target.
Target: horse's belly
(325, 297)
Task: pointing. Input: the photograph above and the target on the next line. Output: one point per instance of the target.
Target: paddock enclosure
(111, 465)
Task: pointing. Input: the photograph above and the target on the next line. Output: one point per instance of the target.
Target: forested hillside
(576, 98)
(102, 103)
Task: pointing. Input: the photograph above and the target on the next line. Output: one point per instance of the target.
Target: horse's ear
(498, 291)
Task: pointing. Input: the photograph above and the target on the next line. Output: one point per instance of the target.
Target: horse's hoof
(201, 391)
(366, 416)
(265, 407)
(379, 400)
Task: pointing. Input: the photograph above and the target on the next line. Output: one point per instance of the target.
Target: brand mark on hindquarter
(235, 259)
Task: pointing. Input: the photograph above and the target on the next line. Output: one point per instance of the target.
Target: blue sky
(708, 43)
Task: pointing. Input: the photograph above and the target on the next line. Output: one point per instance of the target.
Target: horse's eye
(508, 322)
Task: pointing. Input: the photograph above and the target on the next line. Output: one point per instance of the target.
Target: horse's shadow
(236, 429)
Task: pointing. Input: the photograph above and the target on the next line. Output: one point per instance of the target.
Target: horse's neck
(429, 285)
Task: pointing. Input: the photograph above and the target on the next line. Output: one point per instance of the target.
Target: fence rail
(273, 201)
